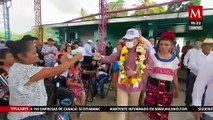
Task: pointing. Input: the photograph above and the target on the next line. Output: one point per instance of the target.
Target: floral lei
(133, 81)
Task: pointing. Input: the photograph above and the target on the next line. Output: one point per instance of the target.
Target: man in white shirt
(148, 46)
(191, 52)
(189, 57)
(196, 61)
(88, 52)
(204, 78)
(152, 41)
(79, 49)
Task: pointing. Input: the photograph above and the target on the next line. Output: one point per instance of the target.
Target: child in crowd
(74, 83)
(102, 77)
(26, 82)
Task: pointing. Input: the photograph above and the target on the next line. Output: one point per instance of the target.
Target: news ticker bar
(105, 109)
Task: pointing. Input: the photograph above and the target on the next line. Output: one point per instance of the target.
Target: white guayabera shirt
(20, 95)
(204, 78)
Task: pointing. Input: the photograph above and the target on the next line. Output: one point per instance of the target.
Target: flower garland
(133, 81)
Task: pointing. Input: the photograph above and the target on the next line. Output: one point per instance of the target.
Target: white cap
(131, 34)
(90, 41)
(208, 41)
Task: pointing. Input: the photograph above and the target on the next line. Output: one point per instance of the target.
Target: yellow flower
(139, 79)
(142, 57)
(139, 63)
(120, 63)
(143, 66)
(134, 81)
(124, 50)
(122, 59)
(122, 76)
(143, 51)
(139, 49)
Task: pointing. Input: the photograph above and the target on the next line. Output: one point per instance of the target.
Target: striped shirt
(3, 84)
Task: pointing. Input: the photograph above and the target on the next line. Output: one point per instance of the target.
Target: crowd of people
(138, 67)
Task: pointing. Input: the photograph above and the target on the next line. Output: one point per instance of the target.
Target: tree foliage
(116, 5)
(46, 33)
(154, 10)
(84, 13)
(14, 36)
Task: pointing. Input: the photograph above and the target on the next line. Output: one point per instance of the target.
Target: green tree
(1, 35)
(84, 13)
(46, 33)
(31, 32)
(14, 36)
(144, 3)
(116, 5)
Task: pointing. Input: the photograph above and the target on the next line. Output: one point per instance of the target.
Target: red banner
(15, 109)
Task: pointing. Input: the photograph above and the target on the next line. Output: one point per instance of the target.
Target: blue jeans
(102, 79)
(206, 117)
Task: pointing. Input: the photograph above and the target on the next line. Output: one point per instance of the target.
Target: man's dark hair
(29, 37)
(59, 57)
(76, 43)
(109, 43)
(188, 42)
(20, 46)
(50, 39)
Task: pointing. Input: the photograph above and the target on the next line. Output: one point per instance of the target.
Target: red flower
(168, 35)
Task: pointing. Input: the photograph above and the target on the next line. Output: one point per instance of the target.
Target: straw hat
(208, 41)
